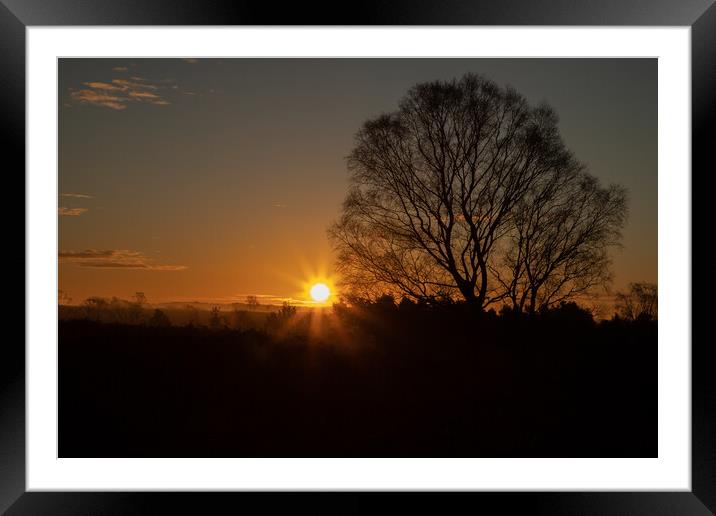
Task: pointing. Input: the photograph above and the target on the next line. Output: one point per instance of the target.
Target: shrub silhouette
(281, 318)
(159, 319)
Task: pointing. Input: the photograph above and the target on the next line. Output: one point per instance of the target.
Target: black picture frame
(16, 15)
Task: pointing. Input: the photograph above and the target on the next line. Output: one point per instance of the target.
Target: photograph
(357, 257)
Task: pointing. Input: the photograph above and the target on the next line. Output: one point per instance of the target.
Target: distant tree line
(638, 303)
(139, 312)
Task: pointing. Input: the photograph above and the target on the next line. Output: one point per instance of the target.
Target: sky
(214, 179)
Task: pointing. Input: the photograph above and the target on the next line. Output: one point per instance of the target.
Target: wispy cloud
(143, 95)
(99, 99)
(114, 259)
(119, 93)
(76, 195)
(136, 84)
(120, 68)
(103, 86)
(70, 212)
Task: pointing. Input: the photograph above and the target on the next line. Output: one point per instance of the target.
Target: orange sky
(216, 179)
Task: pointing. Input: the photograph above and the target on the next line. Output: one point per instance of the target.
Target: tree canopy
(467, 191)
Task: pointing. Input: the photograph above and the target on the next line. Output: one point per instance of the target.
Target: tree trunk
(533, 301)
(483, 285)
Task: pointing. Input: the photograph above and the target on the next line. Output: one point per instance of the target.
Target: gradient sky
(212, 179)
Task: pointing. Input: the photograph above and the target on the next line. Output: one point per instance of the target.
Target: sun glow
(320, 292)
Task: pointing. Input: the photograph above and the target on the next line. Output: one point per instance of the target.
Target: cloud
(137, 84)
(102, 86)
(76, 195)
(70, 212)
(143, 95)
(114, 259)
(99, 99)
(119, 93)
(120, 68)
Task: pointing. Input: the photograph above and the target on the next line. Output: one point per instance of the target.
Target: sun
(320, 292)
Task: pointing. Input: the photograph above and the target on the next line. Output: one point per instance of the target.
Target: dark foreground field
(382, 384)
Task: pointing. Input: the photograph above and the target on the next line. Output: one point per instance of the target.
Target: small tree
(137, 307)
(119, 310)
(63, 297)
(94, 307)
(640, 303)
(159, 319)
(282, 317)
(140, 298)
(193, 315)
(287, 311)
(253, 302)
(215, 318)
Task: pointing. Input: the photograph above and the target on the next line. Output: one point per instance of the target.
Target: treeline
(120, 311)
(639, 303)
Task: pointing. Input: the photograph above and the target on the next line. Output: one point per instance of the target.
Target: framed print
(420, 249)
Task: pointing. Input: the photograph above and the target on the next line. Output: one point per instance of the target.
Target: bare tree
(192, 315)
(435, 187)
(215, 318)
(253, 302)
(140, 298)
(558, 240)
(639, 303)
(281, 318)
(137, 307)
(63, 297)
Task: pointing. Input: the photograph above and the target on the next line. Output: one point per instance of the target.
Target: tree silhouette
(140, 298)
(215, 318)
(137, 308)
(286, 311)
(94, 307)
(282, 317)
(193, 315)
(558, 239)
(442, 188)
(64, 297)
(159, 319)
(252, 301)
(639, 303)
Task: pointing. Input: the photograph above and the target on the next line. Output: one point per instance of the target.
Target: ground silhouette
(374, 379)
